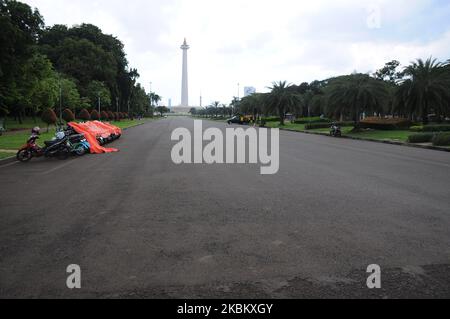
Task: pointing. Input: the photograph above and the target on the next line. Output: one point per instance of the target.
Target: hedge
(316, 126)
(312, 120)
(436, 128)
(421, 138)
(84, 115)
(271, 119)
(441, 139)
(68, 115)
(385, 124)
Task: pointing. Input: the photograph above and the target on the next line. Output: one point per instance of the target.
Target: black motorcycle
(59, 148)
(335, 131)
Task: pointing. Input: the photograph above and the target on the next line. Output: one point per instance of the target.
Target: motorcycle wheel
(24, 156)
(80, 151)
(63, 153)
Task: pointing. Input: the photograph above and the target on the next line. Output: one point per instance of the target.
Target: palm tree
(426, 88)
(155, 98)
(214, 108)
(282, 98)
(355, 94)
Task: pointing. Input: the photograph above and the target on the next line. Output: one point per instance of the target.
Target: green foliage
(84, 115)
(436, 128)
(442, 139)
(68, 115)
(421, 138)
(425, 90)
(282, 98)
(97, 92)
(312, 120)
(357, 93)
(162, 110)
(416, 129)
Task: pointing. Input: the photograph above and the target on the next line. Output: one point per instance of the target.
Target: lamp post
(60, 101)
(99, 104)
(239, 91)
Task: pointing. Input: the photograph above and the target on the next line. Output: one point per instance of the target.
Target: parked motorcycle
(335, 130)
(58, 147)
(78, 144)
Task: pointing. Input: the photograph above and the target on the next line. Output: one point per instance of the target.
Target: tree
(162, 110)
(155, 98)
(49, 117)
(282, 98)
(95, 116)
(355, 94)
(98, 92)
(20, 27)
(389, 72)
(68, 115)
(104, 116)
(425, 89)
(70, 96)
(84, 115)
(254, 104)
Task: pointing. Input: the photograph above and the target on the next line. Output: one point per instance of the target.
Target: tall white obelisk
(184, 85)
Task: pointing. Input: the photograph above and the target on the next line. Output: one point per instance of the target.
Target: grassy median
(395, 135)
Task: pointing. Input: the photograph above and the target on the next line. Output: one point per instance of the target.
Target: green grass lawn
(27, 123)
(401, 136)
(128, 123)
(288, 125)
(6, 155)
(15, 140)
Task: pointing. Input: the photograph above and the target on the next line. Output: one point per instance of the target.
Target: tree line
(418, 92)
(64, 67)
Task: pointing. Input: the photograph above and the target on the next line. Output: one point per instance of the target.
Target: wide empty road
(140, 226)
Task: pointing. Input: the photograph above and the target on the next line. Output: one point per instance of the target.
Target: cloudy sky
(256, 42)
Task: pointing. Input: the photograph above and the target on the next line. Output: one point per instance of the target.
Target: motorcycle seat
(51, 143)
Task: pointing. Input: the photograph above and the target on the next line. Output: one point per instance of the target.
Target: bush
(49, 117)
(436, 128)
(421, 138)
(441, 139)
(84, 115)
(68, 115)
(104, 116)
(417, 129)
(111, 116)
(271, 119)
(376, 123)
(117, 116)
(316, 126)
(95, 116)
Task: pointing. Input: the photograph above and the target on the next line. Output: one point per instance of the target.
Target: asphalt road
(141, 227)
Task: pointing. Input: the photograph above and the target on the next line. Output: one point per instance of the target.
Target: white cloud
(255, 42)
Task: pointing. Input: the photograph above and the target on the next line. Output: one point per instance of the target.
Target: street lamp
(60, 101)
(99, 104)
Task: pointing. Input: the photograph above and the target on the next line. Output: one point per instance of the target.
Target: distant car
(235, 120)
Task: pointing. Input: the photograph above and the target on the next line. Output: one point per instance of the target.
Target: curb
(430, 147)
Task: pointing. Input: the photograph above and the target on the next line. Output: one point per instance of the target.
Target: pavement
(140, 226)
